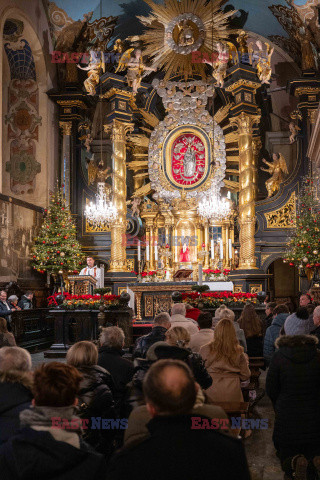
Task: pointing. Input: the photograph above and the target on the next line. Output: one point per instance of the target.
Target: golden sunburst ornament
(176, 29)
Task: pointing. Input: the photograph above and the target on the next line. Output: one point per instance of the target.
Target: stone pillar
(118, 131)
(66, 158)
(247, 185)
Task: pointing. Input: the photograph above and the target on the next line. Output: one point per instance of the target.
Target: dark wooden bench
(255, 366)
(233, 409)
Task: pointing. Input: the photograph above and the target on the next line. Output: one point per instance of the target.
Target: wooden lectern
(182, 275)
(82, 284)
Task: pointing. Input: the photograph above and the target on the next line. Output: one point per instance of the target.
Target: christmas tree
(304, 244)
(56, 249)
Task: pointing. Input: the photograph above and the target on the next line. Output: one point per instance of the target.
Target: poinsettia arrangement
(216, 299)
(90, 302)
(216, 275)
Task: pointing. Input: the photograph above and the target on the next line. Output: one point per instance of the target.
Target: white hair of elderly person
(179, 319)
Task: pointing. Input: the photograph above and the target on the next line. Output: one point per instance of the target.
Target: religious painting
(187, 158)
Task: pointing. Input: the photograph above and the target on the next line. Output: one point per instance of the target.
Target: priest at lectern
(93, 270)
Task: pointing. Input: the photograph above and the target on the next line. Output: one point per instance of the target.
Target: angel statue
(278, 169)
(135, 202)
(93, 69)
(97, 172)
(221, 63)
(294, 130)
(264, 69)
(132, 59)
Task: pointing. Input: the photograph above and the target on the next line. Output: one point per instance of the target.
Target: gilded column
(247, 185)
(118, 131)
(65, 158)
(256, 150)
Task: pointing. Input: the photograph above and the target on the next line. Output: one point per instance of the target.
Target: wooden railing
(33, 329)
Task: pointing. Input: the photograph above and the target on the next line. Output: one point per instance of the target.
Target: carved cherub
(294, 130)
(264, 69)
(277, 169)
(97, 172)
(135, 202)
(93, 69)
(132, 60)
(220, 64)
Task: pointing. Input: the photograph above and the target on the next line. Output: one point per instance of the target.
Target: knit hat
(298, 323)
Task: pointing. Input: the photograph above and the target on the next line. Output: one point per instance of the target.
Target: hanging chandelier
(214, 207)
(103, 211)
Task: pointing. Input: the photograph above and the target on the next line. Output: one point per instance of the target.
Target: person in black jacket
(251, 324)
(293, 385)
(49, 444)
(15, 388)
(269, 315)
(121, 369)
(178, 448)
(177, 339)
(5, 310)
(26, 301)
(95, 398)
(316, 321)
(160, 326)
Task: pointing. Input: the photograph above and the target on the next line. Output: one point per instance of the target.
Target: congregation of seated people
(105, 414)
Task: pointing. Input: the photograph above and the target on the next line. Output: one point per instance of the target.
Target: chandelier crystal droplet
(213, 206)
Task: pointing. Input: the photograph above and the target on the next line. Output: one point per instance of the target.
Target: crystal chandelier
(103, 211)
(214, 207)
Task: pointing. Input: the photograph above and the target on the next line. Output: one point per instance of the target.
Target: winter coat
(255, 346)
(293, 385)
(15, 395)
(7, 340)
(272, 334)
(25, 303)
(316, 333)
(96, 400)
(36, 454)
(175, 450)
(298, 326)
(240, 336)
(267, 322)
(121, 371)
(204, 336)
(157, 334)
(226, 377)
(178, 320)
(194, 361)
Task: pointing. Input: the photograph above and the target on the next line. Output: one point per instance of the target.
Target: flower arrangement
(216, 275)
(150, 276)
(87, 302)
(216, 299)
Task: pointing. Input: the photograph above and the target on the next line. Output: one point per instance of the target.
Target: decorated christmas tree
(304, 244)
(56, 249)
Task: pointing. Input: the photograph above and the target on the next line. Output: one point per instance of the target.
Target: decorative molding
(284, 217)
(66, 128)
(306, 91)
(72, 103)
(117, 91)
(255, 288)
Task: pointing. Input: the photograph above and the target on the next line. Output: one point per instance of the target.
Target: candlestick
(212, 249)
(139, 251)
(147, 253)
(230, 248)
(221, 249)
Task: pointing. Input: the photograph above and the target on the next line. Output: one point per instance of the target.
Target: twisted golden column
(248, 188)
(118, 131)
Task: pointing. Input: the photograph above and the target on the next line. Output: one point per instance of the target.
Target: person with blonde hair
(224, 312)
(6, 338)
(177, 347)
(226, 363)
(95, 396)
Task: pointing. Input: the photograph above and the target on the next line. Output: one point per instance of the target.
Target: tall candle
(139, 251)
(212, 249)
(147, 253)
(155, 250)
(221, 249)
(230, 248)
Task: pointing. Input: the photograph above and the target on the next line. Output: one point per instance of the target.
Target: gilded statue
(277, 169)
(220, 65)
(93, 69)
(264, 69)
(308, 59)
(133, 61)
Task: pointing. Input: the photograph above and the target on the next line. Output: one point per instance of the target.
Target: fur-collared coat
(15, 395)
(293, 385)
